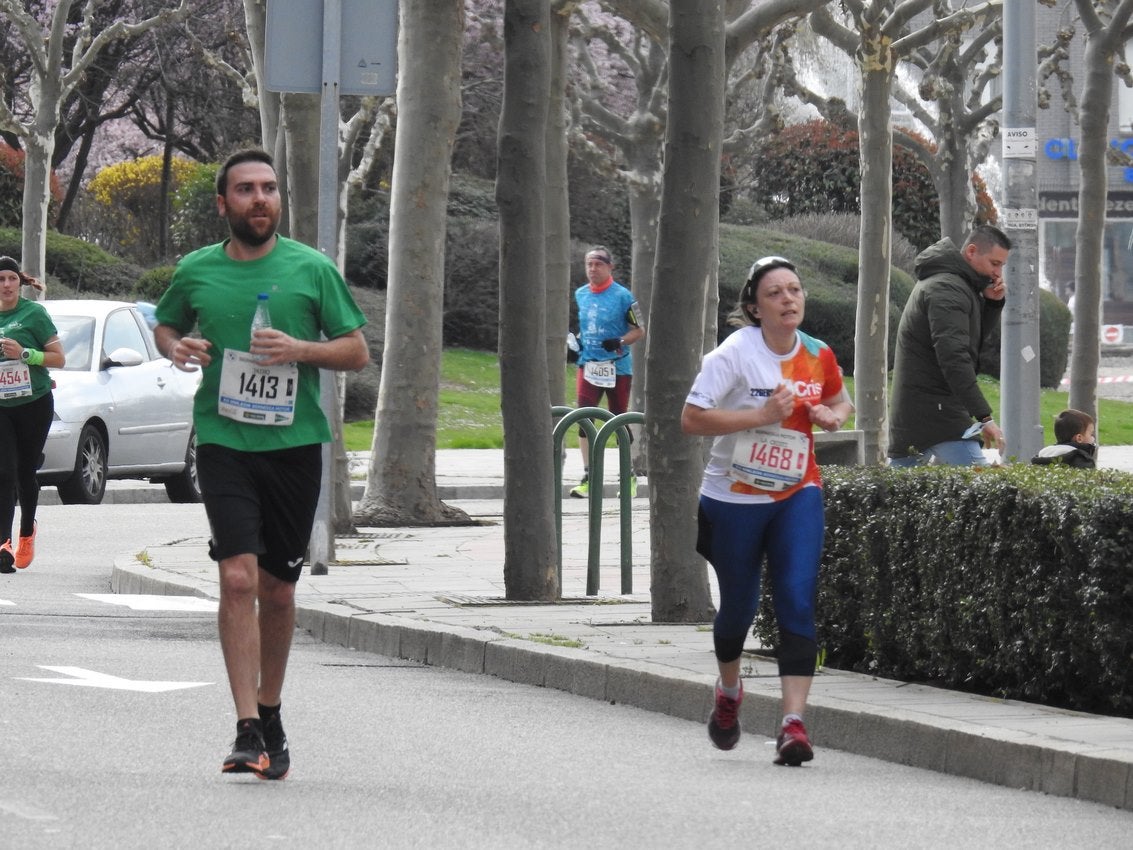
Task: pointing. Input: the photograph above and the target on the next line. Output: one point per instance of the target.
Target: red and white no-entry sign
(1112, 333)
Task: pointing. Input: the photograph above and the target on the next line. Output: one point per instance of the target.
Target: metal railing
(598, 438)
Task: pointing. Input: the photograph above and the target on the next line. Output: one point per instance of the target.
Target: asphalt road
(391, 754)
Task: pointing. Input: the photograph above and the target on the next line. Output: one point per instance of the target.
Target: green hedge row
(79, 265)
(1014, 582)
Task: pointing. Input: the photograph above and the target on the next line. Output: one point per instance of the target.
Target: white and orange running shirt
(743, 372)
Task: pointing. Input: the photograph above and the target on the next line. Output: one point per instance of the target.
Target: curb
(138, 494)
(1010, 758)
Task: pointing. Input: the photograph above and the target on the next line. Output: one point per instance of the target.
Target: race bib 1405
(600, 373)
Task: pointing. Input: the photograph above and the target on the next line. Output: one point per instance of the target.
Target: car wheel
(183, 488)
(87, 483)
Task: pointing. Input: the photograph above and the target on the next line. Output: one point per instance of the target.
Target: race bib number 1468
(771, 459)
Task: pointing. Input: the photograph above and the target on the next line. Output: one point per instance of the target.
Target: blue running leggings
(734, 538)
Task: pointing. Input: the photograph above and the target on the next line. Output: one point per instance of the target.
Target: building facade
(1059, 177)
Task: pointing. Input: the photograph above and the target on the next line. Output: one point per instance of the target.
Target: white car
(121, 409)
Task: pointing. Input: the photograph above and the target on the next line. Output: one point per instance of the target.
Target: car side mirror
(122, 357)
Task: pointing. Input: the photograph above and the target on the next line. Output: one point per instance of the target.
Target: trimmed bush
(844, 229)
(814, 167)
(152, 284)
(196, 221)
(128, 200)
(1054, 342)
(1010, 581)
(828, 272)
(472, 284)
(80, 266)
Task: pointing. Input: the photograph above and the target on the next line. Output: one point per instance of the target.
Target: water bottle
(261, 319)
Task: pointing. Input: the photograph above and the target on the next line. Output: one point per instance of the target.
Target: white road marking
(25, 811)
(92, 679)
(6, 602)
(148, 602)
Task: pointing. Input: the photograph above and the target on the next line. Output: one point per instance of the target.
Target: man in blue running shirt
(609, 324)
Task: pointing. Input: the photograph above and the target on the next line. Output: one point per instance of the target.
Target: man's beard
(242, 231)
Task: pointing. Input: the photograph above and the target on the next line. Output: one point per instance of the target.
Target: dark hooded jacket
(945, 323)
(1075, 455)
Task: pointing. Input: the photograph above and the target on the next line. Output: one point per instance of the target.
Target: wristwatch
(25, 355)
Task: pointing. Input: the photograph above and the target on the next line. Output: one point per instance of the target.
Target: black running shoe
(7, 558)
(724, 724)
(275, 739)
(249, 755)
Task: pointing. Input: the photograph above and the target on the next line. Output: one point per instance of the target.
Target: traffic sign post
(364, 51)
(1113, 334)
(332, 48)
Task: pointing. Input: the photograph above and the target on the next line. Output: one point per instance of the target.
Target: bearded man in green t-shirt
(259, 427)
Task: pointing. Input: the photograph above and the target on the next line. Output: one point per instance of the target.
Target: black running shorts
(261, 503)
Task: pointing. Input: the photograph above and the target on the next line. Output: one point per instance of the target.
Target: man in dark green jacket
(938, 411)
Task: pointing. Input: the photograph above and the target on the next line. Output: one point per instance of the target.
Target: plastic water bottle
(261, 319)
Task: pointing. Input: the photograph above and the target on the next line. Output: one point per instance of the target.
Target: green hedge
(1013, 582)
(830, 274)
(1054, 342)
(81, 266)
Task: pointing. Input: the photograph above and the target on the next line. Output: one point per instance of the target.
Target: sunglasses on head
(758, 269)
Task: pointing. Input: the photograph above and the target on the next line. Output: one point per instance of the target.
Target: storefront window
(1058, 253)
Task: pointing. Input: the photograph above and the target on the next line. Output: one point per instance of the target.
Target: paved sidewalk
(436, 595)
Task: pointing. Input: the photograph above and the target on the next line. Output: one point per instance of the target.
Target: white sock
(787, 718)
(730, 693)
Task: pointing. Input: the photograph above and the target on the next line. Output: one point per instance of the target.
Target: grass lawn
(469, 412)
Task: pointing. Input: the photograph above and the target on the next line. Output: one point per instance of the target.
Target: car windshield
(77, 336)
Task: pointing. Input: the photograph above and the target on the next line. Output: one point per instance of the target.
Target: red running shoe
(724, 724)
(25, 549)
(793, 746)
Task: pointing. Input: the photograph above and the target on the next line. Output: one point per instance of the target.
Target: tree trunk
(401, 487)
(558, 208)
(871, 339)
(75, 184)
(644, 215)
(1094, 118)
(301, 117)
(686, 253)
(270, 102)
(39, 146)
(165, 201)
(300, 127)
(953, 182)
(530, 550)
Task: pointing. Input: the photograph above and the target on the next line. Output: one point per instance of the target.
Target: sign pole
(297, 60)
(1019, 349)
(322, 534)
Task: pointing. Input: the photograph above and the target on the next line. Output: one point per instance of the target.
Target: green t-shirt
(217, 295)
(30, 326)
